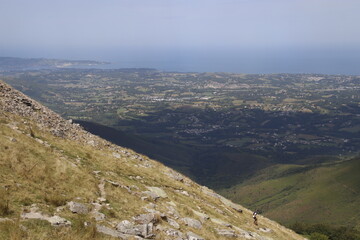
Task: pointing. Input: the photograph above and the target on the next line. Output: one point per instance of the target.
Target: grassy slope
(289, 193)
(39, 168)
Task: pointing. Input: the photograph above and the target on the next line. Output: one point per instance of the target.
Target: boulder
(192, 223)
(76, 207)
(266, 230)
(145, 218)
(220, 222)
(203, 216)
(173, 223)
(142, 230)
(158, 191)
(227, 233)
(193, 236)
(98, 216)
(127, 227)
(108, 231)
(58, 221)
(229, 203)
(150, 195)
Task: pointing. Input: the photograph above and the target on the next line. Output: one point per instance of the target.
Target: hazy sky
(179, 23)
(329, 30)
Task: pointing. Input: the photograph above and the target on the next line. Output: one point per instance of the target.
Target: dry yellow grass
(39, 168)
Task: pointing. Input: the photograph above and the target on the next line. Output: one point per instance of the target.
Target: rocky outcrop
(76, 207)
(55, 220)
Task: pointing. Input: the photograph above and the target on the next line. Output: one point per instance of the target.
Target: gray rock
(108, 231)
(175, 175)
(150, 195)
(54, 220)
(115, 184)
(147, 230)
(192, 223)
(193, 236)
(173, 233)
(127, 227)
(245, 234)
(202, 216)
(172, 211)
(158, 191)
(173, 223)
(58, 221)
(220, 222)
(145, 218)
(98, 216)
(267, 230)
(142, 230)
(76, 207)
(226, 233)
(229, 203)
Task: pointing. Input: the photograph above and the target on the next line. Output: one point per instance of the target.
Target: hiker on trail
(255, 218)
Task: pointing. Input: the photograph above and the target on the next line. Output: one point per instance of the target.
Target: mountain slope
(325, 193)
(59, 181)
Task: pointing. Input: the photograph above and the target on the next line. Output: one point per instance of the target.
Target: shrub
(318, 236)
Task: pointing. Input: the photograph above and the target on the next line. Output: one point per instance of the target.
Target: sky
(74, 27)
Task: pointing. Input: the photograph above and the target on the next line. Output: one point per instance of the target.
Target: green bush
(325, 232)
(318, 236)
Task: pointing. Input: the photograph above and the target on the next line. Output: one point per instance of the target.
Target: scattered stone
(115, 184)
(158, 191)
(146, 218)
(173, 212)
(33, 215)
(245, 234)
(173, 233)
(127, 227)
(183, 192)
(98, 216)
(209, 192)
(267, 230)
(192, 223)
(108, 231)
(220, 222)
(58, 221)
(79, 208)
(54, 220)
(173, 223)
(174, 175)
(149, 194)
(228, 203)
(202, 216)
(142, 230)
(172, 203)
(60, 209)
(226, 233)
(116, 155)
(193, 236)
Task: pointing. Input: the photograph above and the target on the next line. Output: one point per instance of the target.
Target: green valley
(266, 141)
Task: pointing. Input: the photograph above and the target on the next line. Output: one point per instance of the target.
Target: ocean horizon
(325, 61)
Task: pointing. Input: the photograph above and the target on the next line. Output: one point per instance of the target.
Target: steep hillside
(58, 181)
(325, 193)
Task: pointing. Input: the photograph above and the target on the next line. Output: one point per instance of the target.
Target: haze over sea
(258, 61)
(243, 36)
(242, 61)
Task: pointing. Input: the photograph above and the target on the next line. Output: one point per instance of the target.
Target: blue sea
(246, 61)
(261, 61)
